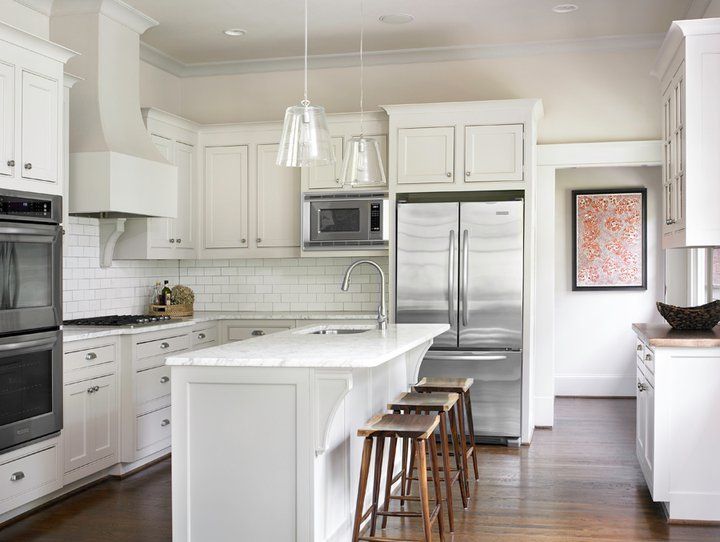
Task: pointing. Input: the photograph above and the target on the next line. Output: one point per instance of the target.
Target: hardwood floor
(577, 482)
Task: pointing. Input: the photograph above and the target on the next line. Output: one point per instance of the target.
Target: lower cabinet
(645, 424)
(240, 330)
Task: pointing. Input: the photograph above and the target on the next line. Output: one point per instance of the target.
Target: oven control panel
(29, 207)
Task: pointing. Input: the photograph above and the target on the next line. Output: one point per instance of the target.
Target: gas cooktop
(119, 320)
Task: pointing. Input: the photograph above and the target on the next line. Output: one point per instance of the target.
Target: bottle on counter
(156, 294)
(166, 295)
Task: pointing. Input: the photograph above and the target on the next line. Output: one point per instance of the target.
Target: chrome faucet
(382, 311)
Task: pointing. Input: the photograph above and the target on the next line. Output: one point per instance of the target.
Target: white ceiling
(190, 31)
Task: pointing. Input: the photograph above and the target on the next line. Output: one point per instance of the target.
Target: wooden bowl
(704, 317)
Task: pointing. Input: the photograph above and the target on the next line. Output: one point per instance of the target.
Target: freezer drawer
(496, 392)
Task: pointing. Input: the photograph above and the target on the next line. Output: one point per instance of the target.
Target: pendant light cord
(305, 101)
(362, 68)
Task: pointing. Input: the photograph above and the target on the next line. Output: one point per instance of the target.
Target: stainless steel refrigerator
(461, 261)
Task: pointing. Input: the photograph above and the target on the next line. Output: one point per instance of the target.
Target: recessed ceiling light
(235, 32)
(565, 8)
(397, 18)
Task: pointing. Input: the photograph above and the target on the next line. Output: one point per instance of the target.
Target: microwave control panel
(375, 216)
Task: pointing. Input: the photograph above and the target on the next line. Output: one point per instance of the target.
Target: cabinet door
(425, 155)
(77, 425)
(494, 153)
(327, 177)
(161, 229)
(40, 148)
(649, 425)
(104, 417)
(226, 197)
(182, 226)
(7, 118)
(278, 201)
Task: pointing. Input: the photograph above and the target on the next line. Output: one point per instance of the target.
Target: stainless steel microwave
(345, 221)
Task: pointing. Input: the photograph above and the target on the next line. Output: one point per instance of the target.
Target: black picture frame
(575, 194)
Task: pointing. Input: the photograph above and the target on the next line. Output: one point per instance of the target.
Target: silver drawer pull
(28, 166)
(648, 357)
(91, 390)
(11, 163)
(164, 379)
(17, 476)
(164, 422)
(257, 333)
(639, 347)
(164, 345)
(90, 356)
(201, 336)
(641, 387)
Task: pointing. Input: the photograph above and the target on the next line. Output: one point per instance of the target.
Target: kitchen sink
(335, 330)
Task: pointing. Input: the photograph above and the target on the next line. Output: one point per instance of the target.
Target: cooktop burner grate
(118, 320)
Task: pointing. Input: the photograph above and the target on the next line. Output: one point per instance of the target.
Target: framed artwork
(610, 239)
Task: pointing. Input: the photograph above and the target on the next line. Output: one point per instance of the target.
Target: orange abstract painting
(609, 231)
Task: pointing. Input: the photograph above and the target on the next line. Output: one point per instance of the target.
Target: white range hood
(115, 169)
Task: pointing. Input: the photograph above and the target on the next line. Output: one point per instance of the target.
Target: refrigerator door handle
(451, 281)
(466, 357)
(464, 280)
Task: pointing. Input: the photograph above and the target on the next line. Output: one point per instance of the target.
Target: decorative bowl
(704, 317)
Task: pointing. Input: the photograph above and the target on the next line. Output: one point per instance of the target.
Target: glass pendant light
(305, 139)
(362, 165)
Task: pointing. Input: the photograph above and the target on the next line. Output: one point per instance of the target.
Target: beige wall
(24, 18)
(588, 96)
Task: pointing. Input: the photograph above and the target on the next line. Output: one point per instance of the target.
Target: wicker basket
(175, 311)
(704, 317)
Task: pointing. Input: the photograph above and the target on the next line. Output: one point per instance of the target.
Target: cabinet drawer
(153, 428)
(89, 357)
(241, 333)
(162, 347)
(204, 336)
(649, 360)
(152, 384)
(29, 474)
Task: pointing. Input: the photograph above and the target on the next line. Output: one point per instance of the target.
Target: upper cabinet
(462, 146)
(278, 201)
(168, 238)
(31, 112)
(688, 67)
(327, 177)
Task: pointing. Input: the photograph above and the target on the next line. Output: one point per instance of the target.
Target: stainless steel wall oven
(30, 317)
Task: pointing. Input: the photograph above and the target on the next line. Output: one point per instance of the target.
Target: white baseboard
(544, 414)
(594, 386)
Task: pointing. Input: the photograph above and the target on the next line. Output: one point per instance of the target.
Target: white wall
(24, 18)
(159, 89)
(594, 96)
(595, 354)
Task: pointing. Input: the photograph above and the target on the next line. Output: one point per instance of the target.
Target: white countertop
(298, 348)
(80, 333)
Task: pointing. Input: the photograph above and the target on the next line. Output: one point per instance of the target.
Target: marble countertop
(299, 348)
(80, 333)
(662, 335)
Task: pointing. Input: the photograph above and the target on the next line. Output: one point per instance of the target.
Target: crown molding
(23, 39)
(165, 62)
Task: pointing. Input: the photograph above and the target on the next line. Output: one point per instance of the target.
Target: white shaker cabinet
(426, 155)
(226, 197)
(7, 118)
(327, 177)
(494, 153)
(40, 135)
(278, 201)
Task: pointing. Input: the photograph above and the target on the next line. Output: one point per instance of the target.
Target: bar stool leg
(379, 448)
(457, 449)
(411, 467)
(463, 442)
(421, 453)
(403, 475)
(436, 483)
(471, 428)
(446, 470)
(362, 486)
(388, 478)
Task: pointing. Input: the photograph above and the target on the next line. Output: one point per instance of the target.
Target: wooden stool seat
(425, 401)
(449, 385)
(398, 425)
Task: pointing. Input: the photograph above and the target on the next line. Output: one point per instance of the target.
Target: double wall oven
(30, 318)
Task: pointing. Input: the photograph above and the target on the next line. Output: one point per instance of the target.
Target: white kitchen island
(264, 430)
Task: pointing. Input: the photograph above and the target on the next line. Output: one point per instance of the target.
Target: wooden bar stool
(419, 428)
(460, 386)
(440, 404)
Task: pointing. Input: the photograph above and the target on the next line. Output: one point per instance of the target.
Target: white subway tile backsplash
(302, 284)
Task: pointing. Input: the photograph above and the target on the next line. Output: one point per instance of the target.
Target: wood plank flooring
(578, 482)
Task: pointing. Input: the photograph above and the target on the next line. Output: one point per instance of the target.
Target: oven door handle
(23, 345)
(43, 233)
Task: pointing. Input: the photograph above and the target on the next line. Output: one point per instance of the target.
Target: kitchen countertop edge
(662, 335)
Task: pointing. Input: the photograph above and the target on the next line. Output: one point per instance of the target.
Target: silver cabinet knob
(639, 347)
(337, 181)
(164, 422)
(243, 241)
(164, 379)
(178, 240)
(467, 173)
(17, 476)
(11, 163)
(172, 240)
(257, 333)
(164, 345)
(91, 389)
(201, 336)
(641, 387)
(28, 166)
(648, 357)
(96, 388)
(90, 356)
(258, 240)
(448, 174)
